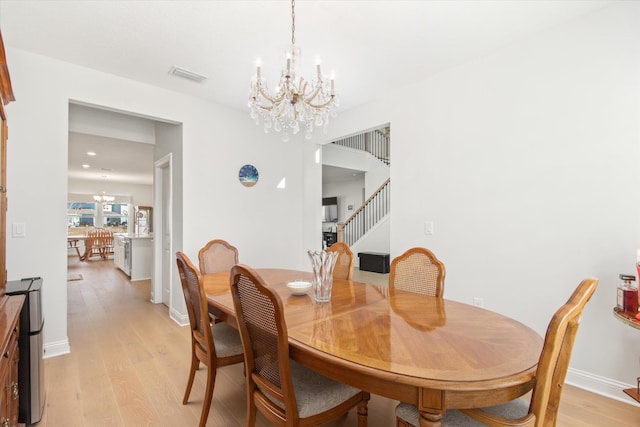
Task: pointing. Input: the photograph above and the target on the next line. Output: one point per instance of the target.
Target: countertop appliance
(30, 345)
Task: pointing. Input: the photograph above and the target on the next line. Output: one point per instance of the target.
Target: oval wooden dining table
(431, 352)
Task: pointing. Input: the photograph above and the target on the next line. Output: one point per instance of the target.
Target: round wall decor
(248, 175)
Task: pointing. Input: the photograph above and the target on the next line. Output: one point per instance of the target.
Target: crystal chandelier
(103, 198)
(295, 104)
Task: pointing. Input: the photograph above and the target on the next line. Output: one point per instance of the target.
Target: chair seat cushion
(226, 340)
(315, 393)
(515, 409)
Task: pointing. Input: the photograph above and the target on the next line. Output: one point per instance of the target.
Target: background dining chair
(285, 392)
(215, 345)
(99, 243)
(417, 270)
(550, 374)
(344, 264)
(217, 256)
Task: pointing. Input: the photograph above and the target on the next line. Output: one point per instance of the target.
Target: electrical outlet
(478, 302)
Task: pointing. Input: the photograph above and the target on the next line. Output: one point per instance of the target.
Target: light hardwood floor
(129, 363)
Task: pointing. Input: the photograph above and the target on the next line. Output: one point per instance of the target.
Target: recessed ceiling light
(91, 153)
(85, 166)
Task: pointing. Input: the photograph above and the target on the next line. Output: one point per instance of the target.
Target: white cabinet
(133, 254)
(119, 251)
(141, 257)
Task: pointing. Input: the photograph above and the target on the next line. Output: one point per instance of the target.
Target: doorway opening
(114, 152)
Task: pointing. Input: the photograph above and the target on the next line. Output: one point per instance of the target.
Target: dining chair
(344, 263)
(217, 256)
(99, 243)
(215, 345)
(417, 270)
(285, 392)
(553, 364)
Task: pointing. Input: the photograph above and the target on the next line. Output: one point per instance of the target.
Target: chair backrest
(556, 353)
(217, 256)
(99, 241)
(417, 270)
(265, 343)
(344, 264)
(197, 307)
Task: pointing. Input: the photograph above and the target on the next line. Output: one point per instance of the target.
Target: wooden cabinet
(9, 331)
(10, 306)
(6, 96)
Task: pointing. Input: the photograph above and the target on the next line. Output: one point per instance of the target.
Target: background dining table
(431, 352)
(73, 242)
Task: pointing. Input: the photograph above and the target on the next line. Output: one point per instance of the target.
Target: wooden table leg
(74, 244)
(429, 419)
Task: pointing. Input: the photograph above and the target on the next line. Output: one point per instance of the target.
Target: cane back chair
(417, 270)
(217, 256)
(344, 263)
(286, 393)
(553, 364)
(215, 345)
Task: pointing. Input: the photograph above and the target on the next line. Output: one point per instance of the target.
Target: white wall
(136, 194)
(263, 222)
(375, 240)
(347, 192)
(527, 162)
(100, 122)
(350, 158)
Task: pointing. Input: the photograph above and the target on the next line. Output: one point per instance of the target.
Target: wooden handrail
(367, 222)
(368, 200)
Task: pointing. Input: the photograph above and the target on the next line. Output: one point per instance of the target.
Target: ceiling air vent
(186, 74)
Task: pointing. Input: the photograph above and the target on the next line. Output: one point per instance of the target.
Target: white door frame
(158, 194)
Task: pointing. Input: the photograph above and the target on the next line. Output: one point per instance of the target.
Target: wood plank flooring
(129, 362)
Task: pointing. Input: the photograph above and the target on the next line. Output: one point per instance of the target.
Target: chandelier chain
(293, 22)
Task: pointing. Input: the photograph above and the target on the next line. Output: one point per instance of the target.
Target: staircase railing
(368, 215)
(375, 142)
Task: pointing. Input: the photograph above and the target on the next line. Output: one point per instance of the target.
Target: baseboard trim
(180, 319)
(606, 387)
(57, 348)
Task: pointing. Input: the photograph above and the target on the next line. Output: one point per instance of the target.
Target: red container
(628, 299)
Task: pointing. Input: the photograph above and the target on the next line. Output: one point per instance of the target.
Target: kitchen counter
(133, 254)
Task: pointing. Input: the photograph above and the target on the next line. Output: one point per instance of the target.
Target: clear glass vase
(322, 264)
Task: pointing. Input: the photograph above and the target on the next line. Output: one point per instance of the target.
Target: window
(83, 216)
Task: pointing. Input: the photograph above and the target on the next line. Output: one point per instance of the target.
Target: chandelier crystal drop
(297, 103)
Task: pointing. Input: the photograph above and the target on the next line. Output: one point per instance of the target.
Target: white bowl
(299, 287)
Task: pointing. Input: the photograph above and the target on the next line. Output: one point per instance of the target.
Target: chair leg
(208, 395)
(195, 364)
(251, 412)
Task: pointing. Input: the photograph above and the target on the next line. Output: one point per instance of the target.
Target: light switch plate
(428, 228)
(18, 229)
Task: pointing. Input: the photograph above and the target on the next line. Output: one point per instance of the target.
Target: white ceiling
(372, 47)
(115, 160)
